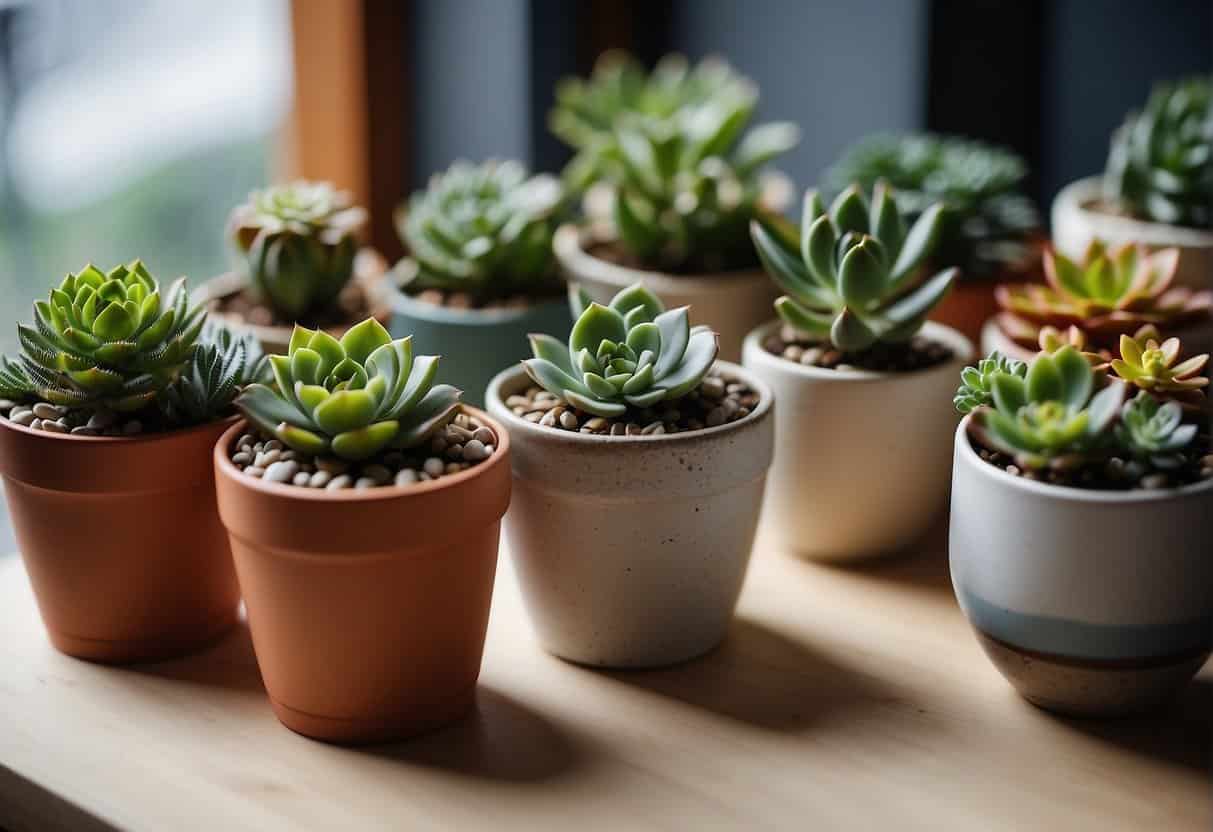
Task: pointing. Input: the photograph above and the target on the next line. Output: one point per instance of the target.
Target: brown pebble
(484, 435)
(594, 424)
(475, 451)
(379, 473)
(534, 416)
(435, 466)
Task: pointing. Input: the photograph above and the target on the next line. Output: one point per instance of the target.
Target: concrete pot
(475, 343)
(1076, 223)
(631, 551)
(121, 540)
(367, 608)
(1088, 602)
(732, 303)
(862, 468)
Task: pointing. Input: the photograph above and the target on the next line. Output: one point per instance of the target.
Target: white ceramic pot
(1089, 602)
(631, 551)
(732, 303)
(1076, 223)
(862, 468)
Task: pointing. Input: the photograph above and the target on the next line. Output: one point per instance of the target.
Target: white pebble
(407, 476)
(22, 416)
(274, 445)
(282, 471)
(338, 483)
(435, 466)
(319, 479)
(568, 421)
(302, 478)
(45, 410)
(254, 471)
(267, 458)
(53, 426)
(485, 436)
(475, 451)
(36, 424)
(241, 458)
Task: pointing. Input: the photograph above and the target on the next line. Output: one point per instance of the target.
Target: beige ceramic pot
(121, 539)
(1089, 602)
(368, 608)
(733, 303)
(1076, 222)
(631, 551)
(862, 468)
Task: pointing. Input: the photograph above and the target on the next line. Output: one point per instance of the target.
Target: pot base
(169, 646)
(639, 660)
(369, 731)
(1072, 687)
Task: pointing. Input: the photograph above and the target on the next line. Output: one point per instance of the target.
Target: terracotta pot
(475, 343)
(967, 307)
(367, 608)
(369, 270)
(731, 302)
(121, 539)
(631, 551)
(1088, 602)
(1076, 221)
(862, 468)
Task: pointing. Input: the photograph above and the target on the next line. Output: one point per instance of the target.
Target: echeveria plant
(630, 353)
(1154, 431)
(352, 397)
(1160, 165)
(1150, 363)
(483, 229)
(104, 341)
(299, 242)
(976, 383)
(1111, 291)
(853, 275)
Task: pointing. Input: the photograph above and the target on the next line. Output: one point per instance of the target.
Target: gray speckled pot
(631, 551)
(1089, 602)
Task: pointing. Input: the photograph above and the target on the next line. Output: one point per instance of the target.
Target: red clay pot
(121, 539)
(368, 608)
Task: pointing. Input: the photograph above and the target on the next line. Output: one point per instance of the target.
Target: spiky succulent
(1052, 416)
(990, 218)
(1149, 363)
(632, 352)
(619, 92)
(1154, 431)
(484, 229)
(1160, 165)
(353, 397)
(223, 364)
(853, 275)
(976, 382)
(298, 242)
(1112, 291)
(104, 341)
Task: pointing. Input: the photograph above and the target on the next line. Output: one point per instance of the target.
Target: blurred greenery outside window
(130, 128)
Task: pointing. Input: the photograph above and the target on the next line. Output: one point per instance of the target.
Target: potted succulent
(298, 260)
(481, 273)
(109, 416)
(639, 467)
(363, 503)
(1081, 498)
(1157, 188)
(678, 184)
(1108, 293)
(991, 230)
(852, 345)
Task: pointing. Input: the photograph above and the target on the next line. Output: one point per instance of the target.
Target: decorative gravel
(466, 300)
(464, 444)
(352, 304)
(715, 402)
(919, 353)
(1115, 474)
(55, 419)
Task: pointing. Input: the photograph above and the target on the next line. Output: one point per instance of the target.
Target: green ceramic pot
(475, 343)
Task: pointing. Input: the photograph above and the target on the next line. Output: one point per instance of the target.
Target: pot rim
(225, 467)
(401, 302)
(571, 244)
(1078, 194)
(133, 439)
(962, 348)
(1127, 499)
(765, 400)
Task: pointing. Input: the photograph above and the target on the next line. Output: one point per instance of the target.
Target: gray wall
(839, 70)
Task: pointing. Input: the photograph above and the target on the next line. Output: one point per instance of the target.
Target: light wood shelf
(842, 699)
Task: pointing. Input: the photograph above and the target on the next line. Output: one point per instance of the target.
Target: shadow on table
(228, 663)
(1179, 733)
(766, 678)
(921, 565)
(501, 739)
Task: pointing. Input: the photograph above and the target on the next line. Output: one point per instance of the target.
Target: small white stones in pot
(464, 443)
(53, 418)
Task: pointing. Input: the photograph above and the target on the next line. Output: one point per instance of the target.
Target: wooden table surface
(842, 699)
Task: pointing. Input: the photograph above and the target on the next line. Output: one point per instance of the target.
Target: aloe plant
(990, 218)
(298, 242)
(104, 341)
(483, 229)
(222, 365)
(353, 397)
(1160, 164)
(853, 275)
(630, 353)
